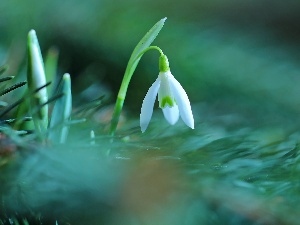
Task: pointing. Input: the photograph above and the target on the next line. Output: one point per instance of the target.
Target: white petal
(147, 106)
(183, 102)
(171, 114)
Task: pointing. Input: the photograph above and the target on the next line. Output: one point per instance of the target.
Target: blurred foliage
(216, 48)
(239, 63)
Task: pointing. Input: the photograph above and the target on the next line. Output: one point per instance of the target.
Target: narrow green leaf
(147, 40)
(20, 112)
(144, 43)
(61, 111)
(90, 108)
(72, 122)
(134, 59)
(13, 87)
(6, 78)
(51, 68)
(36, 78)
(25, 119)
(3, 69)
(24, 108)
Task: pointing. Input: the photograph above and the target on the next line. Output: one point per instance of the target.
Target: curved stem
(149, 48)
(124, 86)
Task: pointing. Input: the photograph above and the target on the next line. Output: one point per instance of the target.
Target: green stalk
(139, 50)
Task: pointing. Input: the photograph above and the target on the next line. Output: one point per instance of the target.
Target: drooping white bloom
(172, 98)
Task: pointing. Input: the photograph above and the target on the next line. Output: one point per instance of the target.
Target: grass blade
(7, 90)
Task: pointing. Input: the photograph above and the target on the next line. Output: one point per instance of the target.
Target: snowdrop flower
(172, 98)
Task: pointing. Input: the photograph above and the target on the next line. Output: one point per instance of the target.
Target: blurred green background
(229, 53)
(239, 63)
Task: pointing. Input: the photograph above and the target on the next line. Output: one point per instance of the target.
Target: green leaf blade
(135, 57)
(61, 113)
(147, 40)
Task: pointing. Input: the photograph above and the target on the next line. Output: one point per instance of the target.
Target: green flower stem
(116, 114)
(130, 70)
(134, 59)
(124, 86)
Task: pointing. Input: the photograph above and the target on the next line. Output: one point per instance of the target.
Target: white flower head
(172, 98)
